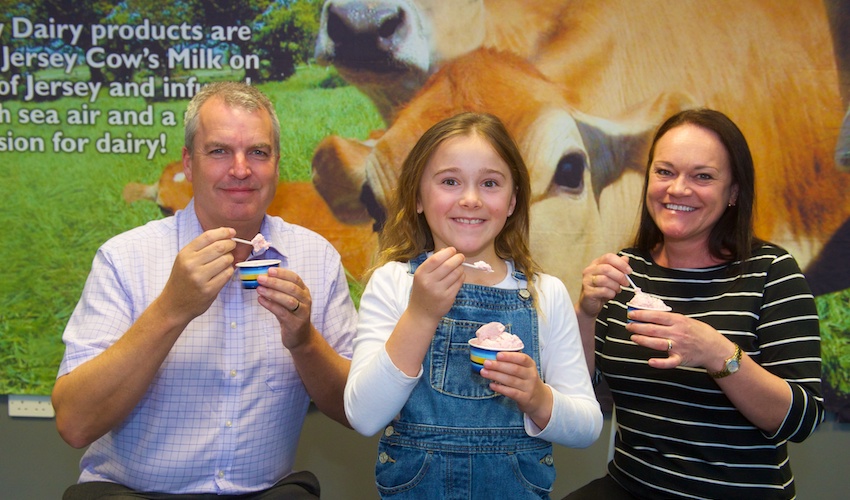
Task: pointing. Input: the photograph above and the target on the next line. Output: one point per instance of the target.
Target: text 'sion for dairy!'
(489, 340)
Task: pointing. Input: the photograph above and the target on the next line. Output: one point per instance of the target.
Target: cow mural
(582, 91)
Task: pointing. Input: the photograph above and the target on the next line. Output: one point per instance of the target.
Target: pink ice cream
(493, 336)
(260, 243)
(643, 300)
(483, 266)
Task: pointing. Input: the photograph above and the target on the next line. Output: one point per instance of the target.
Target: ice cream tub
(477, 355)
(489, 340)
(645, 301)
(251, 269)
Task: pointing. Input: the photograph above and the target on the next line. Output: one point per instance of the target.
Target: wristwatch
(731, 366)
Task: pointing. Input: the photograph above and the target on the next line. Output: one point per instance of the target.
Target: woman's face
(466, 193)
(690, 184)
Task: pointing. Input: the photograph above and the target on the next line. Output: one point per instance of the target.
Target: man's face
(233, 168)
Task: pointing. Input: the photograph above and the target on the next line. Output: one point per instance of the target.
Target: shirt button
(389, 431)
(229, 423)
(220, 474)
(548, 460)
(232, 373)
(233, 324)
(383, 457)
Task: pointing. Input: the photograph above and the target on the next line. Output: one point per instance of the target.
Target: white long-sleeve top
(377, 390)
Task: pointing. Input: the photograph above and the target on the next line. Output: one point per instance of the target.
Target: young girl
(463, 196)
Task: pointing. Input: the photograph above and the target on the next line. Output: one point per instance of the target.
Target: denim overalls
(455, 438)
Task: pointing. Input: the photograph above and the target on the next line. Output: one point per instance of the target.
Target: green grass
(834, 313)
(59, 208)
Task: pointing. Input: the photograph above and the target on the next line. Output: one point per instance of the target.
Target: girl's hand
(690, 342)
(514, 375)
(436, 283)
(435, 286)
(601, 281)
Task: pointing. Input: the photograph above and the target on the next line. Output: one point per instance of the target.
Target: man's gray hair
(234, 94)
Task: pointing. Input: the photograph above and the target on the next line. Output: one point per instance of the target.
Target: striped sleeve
(789, 343)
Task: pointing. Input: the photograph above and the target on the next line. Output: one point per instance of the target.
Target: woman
(708, 394)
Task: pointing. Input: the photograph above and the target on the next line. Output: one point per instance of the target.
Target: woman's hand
(601, 281)
(687, 342)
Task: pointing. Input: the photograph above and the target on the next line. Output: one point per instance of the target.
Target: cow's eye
(569, 173)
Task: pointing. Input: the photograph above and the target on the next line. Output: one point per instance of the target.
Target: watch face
(733, 365)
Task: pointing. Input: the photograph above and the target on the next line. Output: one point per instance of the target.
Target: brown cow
(769, 66)
(295, 202)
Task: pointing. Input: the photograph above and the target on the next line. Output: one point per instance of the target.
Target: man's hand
(202, 268)
(287, 297)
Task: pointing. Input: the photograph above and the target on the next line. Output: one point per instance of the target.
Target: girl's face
(690, 184)
(466, 193)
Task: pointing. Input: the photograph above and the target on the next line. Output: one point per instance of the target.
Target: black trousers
(297, 486)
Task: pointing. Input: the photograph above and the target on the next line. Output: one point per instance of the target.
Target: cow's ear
(612, 149)
(620, 144)
(339, 172)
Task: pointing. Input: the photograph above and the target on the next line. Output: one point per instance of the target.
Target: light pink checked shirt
(225, 411)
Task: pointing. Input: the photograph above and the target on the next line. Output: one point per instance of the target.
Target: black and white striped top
(679, 436)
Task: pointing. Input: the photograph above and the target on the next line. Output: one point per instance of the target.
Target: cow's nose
(363, 31)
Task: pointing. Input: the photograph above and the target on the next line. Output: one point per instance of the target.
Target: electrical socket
(30, 406)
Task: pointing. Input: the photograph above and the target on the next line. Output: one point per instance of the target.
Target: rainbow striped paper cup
(250, 269)
(478, 354)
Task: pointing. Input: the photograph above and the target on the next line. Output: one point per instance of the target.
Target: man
(181, 381)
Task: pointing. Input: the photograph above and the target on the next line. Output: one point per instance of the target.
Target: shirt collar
(276, 248)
